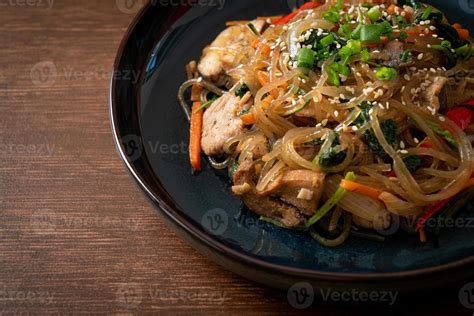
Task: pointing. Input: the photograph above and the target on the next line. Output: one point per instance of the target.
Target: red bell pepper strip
(470, 102)
(461, 116)
(289, 17)
(431, 210)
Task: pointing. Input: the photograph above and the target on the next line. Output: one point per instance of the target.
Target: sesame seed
(336, 113)
(404, 152)
(442, 119)
(402, 145)
(416, 140)
(355, 128)
(420, 56)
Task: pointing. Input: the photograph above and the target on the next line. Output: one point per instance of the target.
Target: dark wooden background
(76, 236)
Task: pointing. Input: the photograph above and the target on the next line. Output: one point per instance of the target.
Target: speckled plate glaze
(151, 134)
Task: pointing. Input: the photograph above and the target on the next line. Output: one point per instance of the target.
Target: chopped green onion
(405, 55)
(374, 14)
(306, 58)
(403, 35)
(364, 54)
(332, 202)
(347, 17)
(345, 30)
(449, 55)
(339, 5)
(356, 33)
(443, 133)
(426, 13)
(371, 33)
(345, 53)
(355, 46)
(333, 77)
(327, 40)
(386, 74)
(253, 29)
(401, 21)
(332, 16)
(446, 44)
(340, 69)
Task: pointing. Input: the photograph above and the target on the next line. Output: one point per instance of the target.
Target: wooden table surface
(76, 236)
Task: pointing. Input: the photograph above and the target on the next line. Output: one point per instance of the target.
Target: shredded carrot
(266, 102)
(233, 23)
(457, 26)
(463, 34)
(248, 118)
(195, 136)
(423, 238)
(361, 188)
(266, 50)
(263, 77)
(415, 32)
(255, 43)
(391, 9)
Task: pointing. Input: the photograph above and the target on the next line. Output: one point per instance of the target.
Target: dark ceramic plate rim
(160, 204)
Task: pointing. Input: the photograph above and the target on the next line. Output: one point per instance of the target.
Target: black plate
(151, 134)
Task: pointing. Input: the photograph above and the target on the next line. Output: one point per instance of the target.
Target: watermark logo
(129, 6)
(467, 6)
(466, 295)
(132, 144)
(129, 295)
(386, 225)
(301, 295)
(215, 221)
(44, 74)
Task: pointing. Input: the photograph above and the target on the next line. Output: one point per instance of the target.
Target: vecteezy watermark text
(133, 6)
(302, 295)
(131, 295)
(27, 296)
(48, 4)
(47, 73)
(28, 149)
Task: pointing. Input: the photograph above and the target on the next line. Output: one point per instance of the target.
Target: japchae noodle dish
(342, 118)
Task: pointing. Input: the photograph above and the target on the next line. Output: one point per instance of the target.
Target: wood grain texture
(76, 236)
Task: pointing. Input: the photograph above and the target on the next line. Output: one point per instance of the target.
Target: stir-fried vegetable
(195, 136)
(386, 74)
(361, 188)
(330, 203)
(306, 58)
(242, 90)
